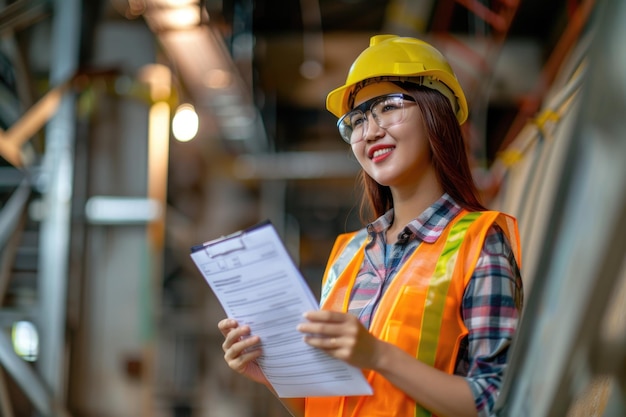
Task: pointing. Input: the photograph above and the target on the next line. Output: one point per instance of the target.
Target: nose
(373, 131)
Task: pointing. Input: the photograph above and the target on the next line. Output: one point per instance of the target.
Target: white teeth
(380, 152)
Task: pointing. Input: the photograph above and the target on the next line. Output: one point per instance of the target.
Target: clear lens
(386, 110)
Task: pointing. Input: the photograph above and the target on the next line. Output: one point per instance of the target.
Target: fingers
(241, 351)
(232, 332)
(240, 348)
(235, 335)
(226, 325)
(325, 342)
(328, 330)
(329, 324)
(325, 316)
(330, 343)
(236, 338)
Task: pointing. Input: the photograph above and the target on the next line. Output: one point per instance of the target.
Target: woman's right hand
(241, 350)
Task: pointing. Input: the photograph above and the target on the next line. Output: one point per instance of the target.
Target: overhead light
(181, 17)
(185, 123)
(172, 3)
(203, 60)
(164, 15)
(25, 340)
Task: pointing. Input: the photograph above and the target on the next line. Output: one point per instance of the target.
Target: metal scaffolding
(563, 345)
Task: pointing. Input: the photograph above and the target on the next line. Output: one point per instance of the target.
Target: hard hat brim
(337, 99)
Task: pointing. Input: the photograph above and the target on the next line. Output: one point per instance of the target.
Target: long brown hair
(448, 153)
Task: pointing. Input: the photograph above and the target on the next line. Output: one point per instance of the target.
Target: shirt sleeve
(491, 310)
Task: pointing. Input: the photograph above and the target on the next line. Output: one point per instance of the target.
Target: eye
(356, 119)
(389, 105)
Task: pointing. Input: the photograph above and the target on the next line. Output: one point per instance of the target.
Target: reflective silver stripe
(342, 262)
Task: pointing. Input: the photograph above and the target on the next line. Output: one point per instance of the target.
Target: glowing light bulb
(25, 340)
(185, 123)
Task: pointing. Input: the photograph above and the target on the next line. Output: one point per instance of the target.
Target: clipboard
(258, 284)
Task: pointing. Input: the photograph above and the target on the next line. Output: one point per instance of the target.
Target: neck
(410, 202)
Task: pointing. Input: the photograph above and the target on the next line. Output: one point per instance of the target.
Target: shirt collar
(426, 227)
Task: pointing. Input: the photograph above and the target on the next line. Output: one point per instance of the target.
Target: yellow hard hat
(394, 56)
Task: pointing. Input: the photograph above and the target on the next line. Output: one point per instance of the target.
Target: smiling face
(398, 156)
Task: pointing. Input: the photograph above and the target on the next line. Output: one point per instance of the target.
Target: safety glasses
(387, 110)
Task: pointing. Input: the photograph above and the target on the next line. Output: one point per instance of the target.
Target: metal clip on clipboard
(224, 245)
(228, 243)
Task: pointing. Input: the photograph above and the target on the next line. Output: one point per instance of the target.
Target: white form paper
(257, 284)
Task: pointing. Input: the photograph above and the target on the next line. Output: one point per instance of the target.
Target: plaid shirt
(491, 303)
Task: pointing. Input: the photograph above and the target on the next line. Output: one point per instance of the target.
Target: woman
(426, 298)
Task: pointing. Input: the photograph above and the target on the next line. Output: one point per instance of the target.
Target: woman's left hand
(342, 336)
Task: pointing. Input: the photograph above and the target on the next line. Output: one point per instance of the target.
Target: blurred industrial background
(134, 129)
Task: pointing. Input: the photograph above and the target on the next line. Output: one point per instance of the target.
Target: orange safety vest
(419, 312)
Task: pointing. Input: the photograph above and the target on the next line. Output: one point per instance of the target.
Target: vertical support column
(159, 78)
(56, 186)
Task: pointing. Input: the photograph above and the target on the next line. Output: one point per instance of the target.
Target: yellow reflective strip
(548, 115)
(436, 296)
(510, 157)
(422, 412)
(438, 290)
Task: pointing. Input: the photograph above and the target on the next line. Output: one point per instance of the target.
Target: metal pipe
(56, 185)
